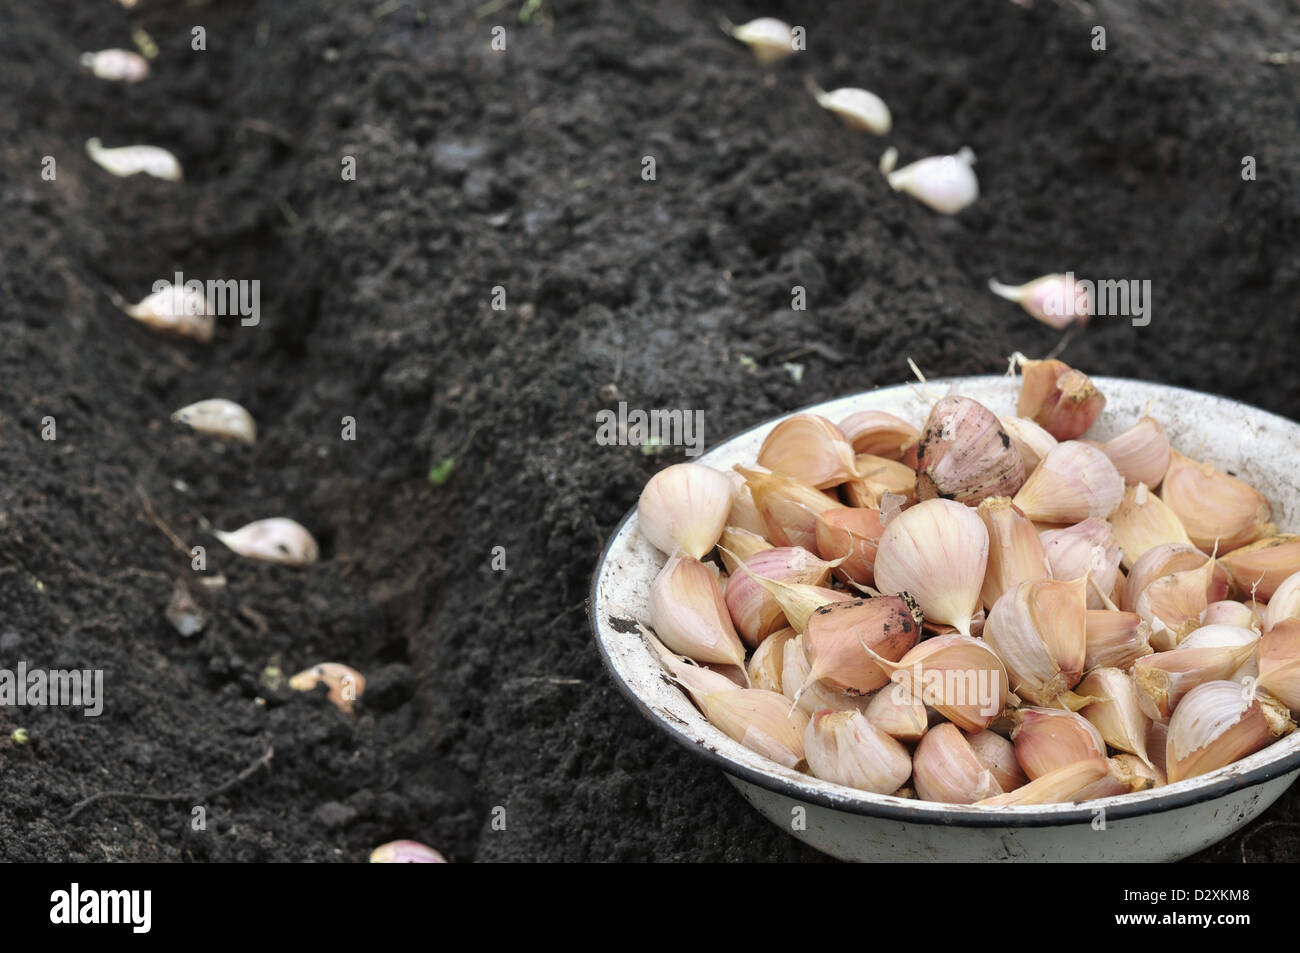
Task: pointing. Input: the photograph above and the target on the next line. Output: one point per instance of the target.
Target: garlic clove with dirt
(1047, 739)
(1143, 521)
(837, 634)
(998, 756)
(946, 184)
(405, 852)
(122, 66)
(1015, 550)
(1220, 512)
(1061, 400)
(1074, 482)
(1218, 723)
(945, 769)
(345, 683)
(177, 311)
(938, 552)
(762, 721)
(788, 506)
(879, 434)
(276, 540)
(1031, 441)
(1055, 300)
(220, 418)
(131, 160)
(1086, 549)
(857, 108)
(1141, 453)
(689, 614)
(809, 448)
(965, 455)
(845, 748)
(1262, 566)
(1039, 630)
(1211, 653)
(769, 39)
(684, 507)
(1117, 712)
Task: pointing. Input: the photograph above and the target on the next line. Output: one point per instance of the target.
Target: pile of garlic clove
(981, 610)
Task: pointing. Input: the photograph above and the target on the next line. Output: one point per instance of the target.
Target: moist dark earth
(522, 169)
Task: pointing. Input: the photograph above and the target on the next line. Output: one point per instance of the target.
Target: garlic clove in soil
(880, 434)
(684, 507)
(1218, 723)
(762, 721)
(946, 769)
(1039, 630)
(345, 683)
(938, 552)
(1263, 565)
(965, 455)
(811, 449)
(277, 540)
(405, 852)
(769, 39)
(1015, 550)
(946, 184)
(131, 160)
(889, 626)
(176, 311)
(1086, 549)
(1117, 713)
(220, 418)
(1055, 300)
(845, 748)
(1220, 512)
(1074, 482)
(1141, 453)
(998, 756)
(1061, 400)
(690, 616)
(857, 108)
(1211, 653)
(766, 665)
(1047, 739)
(123, 66)
(1069, 783)
(1143, 521)
(1115, 639)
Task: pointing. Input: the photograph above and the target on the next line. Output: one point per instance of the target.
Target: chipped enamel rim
(1256, 445)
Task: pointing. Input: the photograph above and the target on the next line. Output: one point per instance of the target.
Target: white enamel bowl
(1164, 824)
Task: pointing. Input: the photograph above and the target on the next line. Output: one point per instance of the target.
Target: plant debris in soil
(459, 528)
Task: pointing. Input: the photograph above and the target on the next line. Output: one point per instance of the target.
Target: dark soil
(522, 169)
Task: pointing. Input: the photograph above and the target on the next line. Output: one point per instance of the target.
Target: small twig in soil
(157, 521)
(263, 761)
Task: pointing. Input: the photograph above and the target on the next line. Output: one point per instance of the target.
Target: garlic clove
(787, 506)
(1118, 714)
(1115, 639)
(878, 476)
(736, 545)
(1173, 604)
(810, 449)
(938, 551)
(765, 666)
(1119, 778)
(1211, 653)
(998, 756)
(1039, 630)
(946, 184)
(1058, 398)
(1087, 549)
(1218, 723)
(1074, 482)
(761, 721)
(1141, 453)
(797, 600)
(879, 434)
(769, 39)
(834, 639)
(1220, 512)
(405, 852)
(220, 418)
(808, 694)
(898, 713)
(755, 612)
(276, 540)
(1230, 613)
(1146, 774)
(1031, 441)
(1285, 603)
(696, 679)
(1047, 739)
(1143, 521)
(1262, 566)
(122, 66)
(131, 160)
(845, 748)
(176, 311)
(345, 684)
(744, 514)
(1157, 744)
(684, 507)
(945, 769)
(856, 108)
(1056, 300)
(851, 535)
(1162, 560)
(1279, 663)
(1070, 783)
(689, 614)
(1015, 551)
(960, 677)
(965, 455)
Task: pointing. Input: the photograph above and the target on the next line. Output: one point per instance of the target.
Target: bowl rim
(1117, 808)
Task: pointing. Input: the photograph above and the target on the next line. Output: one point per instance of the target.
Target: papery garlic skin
(1141, 453)
(788, 507)
(937, 551)
(1055, 300)
(1074, 482)
(1143, 521)
(761, 721)
(945, 769)
(753, 610)
(744, 513)
(345, 683)
(123, 66)
(845, 748)
(405, 852)
(857, 108)
(689, 614)
(769, 39)
(696, 679)
(220, 418)
(1220, 512)
(1259, 568)
(684, 507)
(1218, 723)
(1031, 441)
(175, 310)
(965, 455)
(946, 184)
(877, 477)
(131, 160)
(736, 545)
(277, 540)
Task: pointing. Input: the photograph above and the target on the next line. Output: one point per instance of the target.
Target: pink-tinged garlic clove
(878, 476)
(690, 616)
(1285, 603)
(1073, 483)
(744, 513)
(754, 611)
(1058, 398)
(218, 417)
(176, 311)
(946, 184)
(1218, 723)
(1258, 569)
(845, 748)
(1230, 613)
(1143, 521)
(769, 39)
(898, 713)
(1279, 663)
(836, 636)
(1047, 739)
(810, 449)
(961, 677)
(1039, 630)
(858, 109)
(1087, 549)
(851, 535)
(1220, 512)
(879, 434)
(1117, 712)
(1211, 653)
(737, 545)
(345, 684)
(766, 665)
(788, 507)
(945, 769)
(1073, 782)
(809, 694)
(120, 66)
(1056, 300)
(998, 756)
(1141, 453)
(276, 540)
(684, 507)
(405, 852)
(1115, 639)
(1031, 441)
(761, 721)
(1016, 552)
(965, 455)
